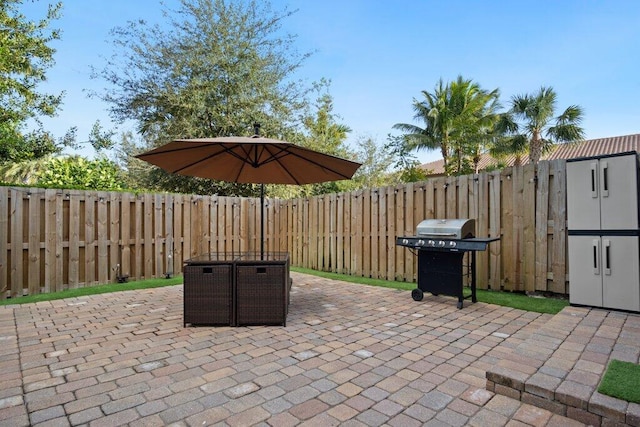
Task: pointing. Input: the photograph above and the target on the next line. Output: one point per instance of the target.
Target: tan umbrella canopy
(255, 160)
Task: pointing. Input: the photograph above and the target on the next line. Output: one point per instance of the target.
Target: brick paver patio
(350, 355)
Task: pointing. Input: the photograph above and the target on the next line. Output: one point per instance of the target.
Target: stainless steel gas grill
(441, 245)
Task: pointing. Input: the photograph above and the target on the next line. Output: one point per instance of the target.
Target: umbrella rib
(226, 149)
(290, 153)
(275, 157)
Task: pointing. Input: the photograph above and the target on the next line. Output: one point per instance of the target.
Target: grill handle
(438, 235)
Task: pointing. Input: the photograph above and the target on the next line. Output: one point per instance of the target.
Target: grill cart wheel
(459, 305)
(417, 294)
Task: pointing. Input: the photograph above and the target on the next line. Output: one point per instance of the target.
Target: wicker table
(236, 289)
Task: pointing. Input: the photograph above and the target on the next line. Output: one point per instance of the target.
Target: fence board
(314, 234)
(390, 247)
(178, 233)
(381, 233)
(147, 227)
(407, 229)
(51, 220)
(114, 235)
(366, 233)
(103, 239)
(169, 235)
(559, 249)
(138, 215)
(357, 233)
(90, 239)
(529, 227)
(518, 226)
(440, 197)
(541, 226)
(495, 227)
(158, 235)
(328, 233)
(399, 212)
(17, 224)
(463, 196)
(124, 268)
(375, 234)
(482, 229)
(348, 237)
(451, 195)
(244, 227)
(419, 214)
(33, 275)
(4, 242)
(195, 226)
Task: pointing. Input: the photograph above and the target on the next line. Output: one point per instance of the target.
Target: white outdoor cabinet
(603, 223)
(602, 272)
(602, 193)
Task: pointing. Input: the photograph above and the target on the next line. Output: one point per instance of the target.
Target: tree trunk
(535, 148)
(445, 157)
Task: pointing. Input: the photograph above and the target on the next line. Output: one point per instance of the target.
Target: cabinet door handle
(594, 180)
(596, 257)
(607, 257)
(605, 178)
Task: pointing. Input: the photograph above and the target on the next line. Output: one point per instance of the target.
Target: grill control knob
(441, 243)
(452, 244)
(420, 242)
(431, 243)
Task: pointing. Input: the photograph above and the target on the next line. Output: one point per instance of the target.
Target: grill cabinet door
(621, 272)
(585, 274)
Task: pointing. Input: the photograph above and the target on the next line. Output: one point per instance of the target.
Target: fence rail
(52, 240)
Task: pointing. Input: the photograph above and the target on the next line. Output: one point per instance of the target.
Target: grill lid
(447, 228)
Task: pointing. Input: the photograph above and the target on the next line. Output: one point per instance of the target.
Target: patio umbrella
(254, 160)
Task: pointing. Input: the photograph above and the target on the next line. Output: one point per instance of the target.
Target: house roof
(586, 148)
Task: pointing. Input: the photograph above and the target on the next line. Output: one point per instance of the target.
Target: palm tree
(432, 112)
(475, 116)
(530, 125)
(458, 118)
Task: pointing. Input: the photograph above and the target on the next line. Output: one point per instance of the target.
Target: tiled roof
(586, 148)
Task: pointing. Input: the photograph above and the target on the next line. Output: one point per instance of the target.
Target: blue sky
(380, 55)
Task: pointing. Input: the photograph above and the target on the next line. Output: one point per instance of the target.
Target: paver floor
(350, 355)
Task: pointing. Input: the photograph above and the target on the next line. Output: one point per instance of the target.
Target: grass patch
(621, 381)
(507, 299)
(94, 290)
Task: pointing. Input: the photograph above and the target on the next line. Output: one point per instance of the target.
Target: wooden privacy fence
(52, 240)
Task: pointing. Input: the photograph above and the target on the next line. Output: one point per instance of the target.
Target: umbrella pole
(261, 221)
